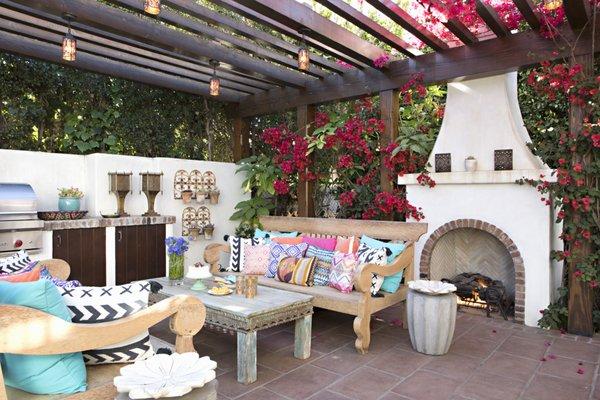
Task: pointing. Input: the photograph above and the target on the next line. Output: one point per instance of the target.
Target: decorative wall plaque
(443, 162)
(503, 160)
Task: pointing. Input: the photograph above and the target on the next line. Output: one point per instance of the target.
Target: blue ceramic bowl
(69, 204)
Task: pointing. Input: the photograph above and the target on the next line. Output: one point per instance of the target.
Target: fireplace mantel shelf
(479, 177)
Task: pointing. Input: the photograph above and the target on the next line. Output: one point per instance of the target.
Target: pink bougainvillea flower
(580, 371)
(381, 61)
(281, 187)
(543, 359)
(552, 356)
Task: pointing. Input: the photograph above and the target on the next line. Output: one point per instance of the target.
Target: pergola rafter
(491, 19)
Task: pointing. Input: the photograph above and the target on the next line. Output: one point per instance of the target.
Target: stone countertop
(99, 222)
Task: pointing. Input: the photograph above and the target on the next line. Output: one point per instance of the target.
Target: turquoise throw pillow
(260, 234)
(390, 283)
(44, 374)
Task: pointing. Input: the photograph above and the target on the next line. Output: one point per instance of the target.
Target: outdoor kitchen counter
(99, 222)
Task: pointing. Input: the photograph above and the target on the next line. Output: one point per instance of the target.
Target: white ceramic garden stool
(431, 309)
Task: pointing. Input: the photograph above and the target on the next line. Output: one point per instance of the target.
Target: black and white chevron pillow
(90, 305)
(236, 246)
(368, 255)
(14, 263)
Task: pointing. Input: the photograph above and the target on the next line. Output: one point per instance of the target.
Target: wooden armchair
(24, 330)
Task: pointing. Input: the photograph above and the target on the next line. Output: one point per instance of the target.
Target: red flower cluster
(290, 150)
(386, 203)
(347, 198)
(381, 61)
(281, 187)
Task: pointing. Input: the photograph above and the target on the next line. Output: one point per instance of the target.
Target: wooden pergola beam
(577, 12)
(491, 19)
(109, 18)
(354, 16)
(215, 18)
(18, 44)
(529, 13)
(38, 32)
(298, 16)
(305, 122)
(402, 18)
(185, 23)
(246, 12)
(487, 57)
(389, 101)
(53, 32)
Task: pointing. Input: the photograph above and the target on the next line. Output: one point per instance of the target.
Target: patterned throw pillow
(368, 255)
(14, 263)
(21, 276)
(237, 246)
(256, 259)
(322, 266)
(280, 251)
(342, 272)
(297, 271)
(45, 274)
(320, 242)
(89, 305)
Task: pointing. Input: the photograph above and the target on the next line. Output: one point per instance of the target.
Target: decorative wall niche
(443, 162)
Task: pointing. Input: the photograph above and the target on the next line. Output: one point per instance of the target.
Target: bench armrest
(25, 330)
(212, 255)
(364, 272)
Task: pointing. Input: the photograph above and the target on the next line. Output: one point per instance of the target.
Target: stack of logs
(480, 290)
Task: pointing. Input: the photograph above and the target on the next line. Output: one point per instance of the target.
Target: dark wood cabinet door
(85, 251)
(140, 252)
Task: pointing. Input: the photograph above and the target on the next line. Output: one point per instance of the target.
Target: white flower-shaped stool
(165, 375)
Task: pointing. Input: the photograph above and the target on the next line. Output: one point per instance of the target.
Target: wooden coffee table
(270, 307)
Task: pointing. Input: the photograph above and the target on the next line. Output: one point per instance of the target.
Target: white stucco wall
(46, 172)
(516, 210)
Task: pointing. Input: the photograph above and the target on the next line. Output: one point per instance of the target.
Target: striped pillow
(90, 305)
(14, 263)
(297, 271)
(322, 265)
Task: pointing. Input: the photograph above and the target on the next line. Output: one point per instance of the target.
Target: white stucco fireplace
(483, 221)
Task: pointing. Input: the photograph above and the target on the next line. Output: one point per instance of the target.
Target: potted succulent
(69, 199)
(470, 164)
(176, 248)
(186, 196)
(214, 196)
(208, 231)
(201, 195)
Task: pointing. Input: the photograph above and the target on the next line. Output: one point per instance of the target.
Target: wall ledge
(98, 222)
(479, 177)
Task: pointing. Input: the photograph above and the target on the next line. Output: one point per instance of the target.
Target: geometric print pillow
(280, 251)
(368, 255)
(341, 276)
(237, 253)
(322, 266)
(90, 305)
(14, 263)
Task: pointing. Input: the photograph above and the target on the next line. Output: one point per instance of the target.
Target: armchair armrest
(212, 255)
(25, 330)
(363, 274)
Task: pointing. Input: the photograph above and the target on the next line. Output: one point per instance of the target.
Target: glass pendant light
(69, 44)
(215, 83)
(303, 54)
(152, 7)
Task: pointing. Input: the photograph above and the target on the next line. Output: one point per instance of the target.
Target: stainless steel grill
(20, 228)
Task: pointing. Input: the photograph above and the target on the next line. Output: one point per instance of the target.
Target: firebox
(482, 292)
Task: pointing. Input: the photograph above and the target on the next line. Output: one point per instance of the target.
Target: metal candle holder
(151, 186)
(119, 183)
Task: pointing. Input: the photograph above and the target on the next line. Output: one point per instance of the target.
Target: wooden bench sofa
(359, 303)
(25, 330)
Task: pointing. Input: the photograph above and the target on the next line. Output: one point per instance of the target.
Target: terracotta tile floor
(491, 359)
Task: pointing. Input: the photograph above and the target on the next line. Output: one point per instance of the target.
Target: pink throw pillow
(322, 243)
(341, 276)
(256, 259)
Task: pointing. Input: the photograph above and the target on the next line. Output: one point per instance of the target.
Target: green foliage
(260, 174)
(557, 314)
(71, 192)
(48, 107)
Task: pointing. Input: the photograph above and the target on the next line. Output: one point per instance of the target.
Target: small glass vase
(175, 269)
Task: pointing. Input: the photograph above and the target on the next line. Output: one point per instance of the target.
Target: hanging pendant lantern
(69, 43)
(303, 53)
(551, 5)
(152, 7)
(215, 83)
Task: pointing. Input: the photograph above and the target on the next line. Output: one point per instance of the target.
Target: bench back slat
(388, 230)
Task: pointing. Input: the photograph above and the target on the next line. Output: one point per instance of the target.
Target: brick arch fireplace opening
(472, 245)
